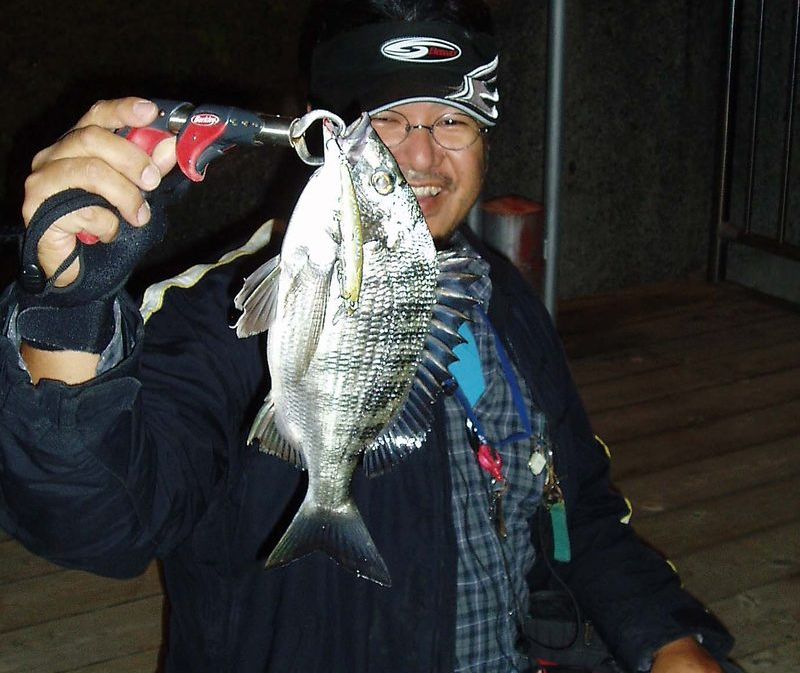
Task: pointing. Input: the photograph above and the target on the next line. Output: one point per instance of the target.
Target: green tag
(558, 520)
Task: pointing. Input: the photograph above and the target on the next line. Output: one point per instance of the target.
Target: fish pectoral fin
(258, 299)
(270, 440)
(340, 533)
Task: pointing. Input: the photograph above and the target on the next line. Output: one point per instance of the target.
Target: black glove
(80, 316)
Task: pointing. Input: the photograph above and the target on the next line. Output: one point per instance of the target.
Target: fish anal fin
(340, 533)
(269, 438)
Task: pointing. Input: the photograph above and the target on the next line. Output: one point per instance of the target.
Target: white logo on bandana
(420, 50)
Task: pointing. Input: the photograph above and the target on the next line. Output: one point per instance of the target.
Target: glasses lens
(391, 127)
(455, 131)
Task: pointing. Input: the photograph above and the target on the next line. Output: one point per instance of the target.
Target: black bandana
(382, 65)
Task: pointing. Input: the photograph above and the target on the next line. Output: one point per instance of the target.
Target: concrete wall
(639, 130)
(640, 118)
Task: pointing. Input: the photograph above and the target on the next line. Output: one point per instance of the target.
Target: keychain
(554, 502)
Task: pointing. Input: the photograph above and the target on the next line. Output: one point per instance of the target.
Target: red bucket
(514, 226)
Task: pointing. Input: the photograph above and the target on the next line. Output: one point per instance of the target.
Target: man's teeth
(425, 190)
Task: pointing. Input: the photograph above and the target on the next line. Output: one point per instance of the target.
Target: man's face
(446, 182)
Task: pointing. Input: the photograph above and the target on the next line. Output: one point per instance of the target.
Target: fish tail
(340, 533)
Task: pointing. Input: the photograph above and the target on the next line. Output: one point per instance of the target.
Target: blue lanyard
(492, 463)
(516, 394)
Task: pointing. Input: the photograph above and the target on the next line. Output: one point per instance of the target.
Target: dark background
(641, 115)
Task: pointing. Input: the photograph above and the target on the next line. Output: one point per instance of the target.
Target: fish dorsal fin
(258, 299)
(269, 439)
(410, 427)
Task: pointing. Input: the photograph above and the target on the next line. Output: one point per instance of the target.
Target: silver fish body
(349, 307)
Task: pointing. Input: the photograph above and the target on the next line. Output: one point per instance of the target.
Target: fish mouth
(332, 127)
(355, 138)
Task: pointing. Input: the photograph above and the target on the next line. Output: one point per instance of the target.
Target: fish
(362, 314)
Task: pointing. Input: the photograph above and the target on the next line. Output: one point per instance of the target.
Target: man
(143, 456)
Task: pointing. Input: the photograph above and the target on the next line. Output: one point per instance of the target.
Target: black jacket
(149, 461)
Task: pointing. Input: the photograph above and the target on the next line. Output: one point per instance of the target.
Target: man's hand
(684, 656)
(91, 156)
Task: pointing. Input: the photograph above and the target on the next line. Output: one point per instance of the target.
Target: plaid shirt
(491, 588)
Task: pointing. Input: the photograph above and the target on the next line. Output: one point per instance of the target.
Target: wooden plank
(657, 297)
(681, 378)
(782, 659)
(17, 563)
(763, 618)
(641, 304)
(743, 563)
(633, 303)
(141, 662)
(644, 303)
(694, 348)
(73, 642)
(699, 406)
(53, 596)
(603, 335)
(676, 446)
(709, 522)
(733, 472)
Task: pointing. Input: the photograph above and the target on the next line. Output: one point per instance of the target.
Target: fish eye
(383, 182)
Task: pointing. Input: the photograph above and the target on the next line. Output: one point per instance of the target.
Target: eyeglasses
(452, 131)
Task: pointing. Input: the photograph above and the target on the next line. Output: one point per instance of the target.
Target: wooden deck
(695, 388)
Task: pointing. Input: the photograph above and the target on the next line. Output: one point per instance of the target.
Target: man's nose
(419, 150)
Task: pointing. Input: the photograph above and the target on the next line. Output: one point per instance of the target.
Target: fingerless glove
(80, 316)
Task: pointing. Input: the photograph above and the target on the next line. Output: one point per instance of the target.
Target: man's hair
(328, 18)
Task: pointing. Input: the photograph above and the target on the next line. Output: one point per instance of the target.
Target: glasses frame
(480, 130)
